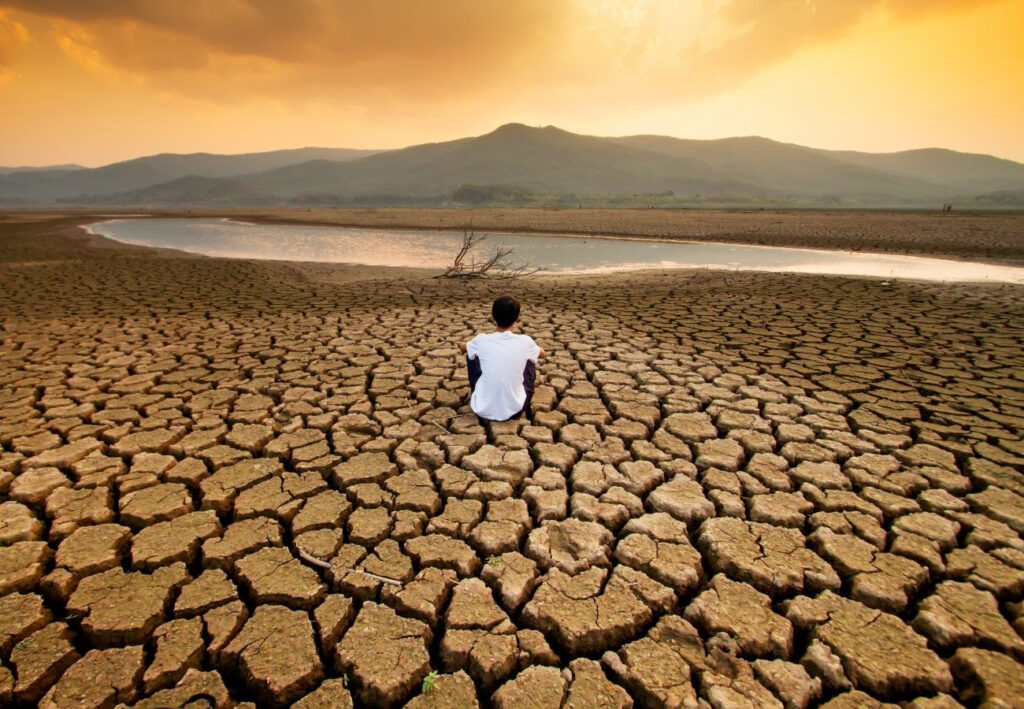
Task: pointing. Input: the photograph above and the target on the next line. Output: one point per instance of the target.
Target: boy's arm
(542, 354)
(462, 347)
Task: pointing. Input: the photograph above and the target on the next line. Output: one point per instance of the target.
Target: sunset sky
(95, 81)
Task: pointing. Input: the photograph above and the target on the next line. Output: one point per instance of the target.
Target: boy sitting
(502, 365)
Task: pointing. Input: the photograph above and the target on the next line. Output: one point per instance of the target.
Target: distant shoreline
(989, 237)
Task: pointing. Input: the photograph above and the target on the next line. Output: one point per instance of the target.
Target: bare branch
(497, 265)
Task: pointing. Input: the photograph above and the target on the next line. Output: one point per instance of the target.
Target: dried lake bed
(793, 489)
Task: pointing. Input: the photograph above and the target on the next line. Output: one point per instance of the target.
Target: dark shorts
(529, 377)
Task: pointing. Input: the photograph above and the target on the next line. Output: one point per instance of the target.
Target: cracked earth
(259, 483)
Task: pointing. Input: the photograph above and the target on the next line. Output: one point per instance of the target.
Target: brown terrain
(258, 483)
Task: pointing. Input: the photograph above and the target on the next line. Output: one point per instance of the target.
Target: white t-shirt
(499, 393)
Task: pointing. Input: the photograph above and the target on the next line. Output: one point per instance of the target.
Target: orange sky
(94, 81)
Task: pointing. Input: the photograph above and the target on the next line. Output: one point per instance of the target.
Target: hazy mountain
(27, 168)
(968, 173)
(187, 191)
(63, 184)
(518, 164)
(791, 170)
(545, 160)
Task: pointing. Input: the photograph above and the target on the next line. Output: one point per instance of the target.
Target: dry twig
(331, 567)
(498, 265)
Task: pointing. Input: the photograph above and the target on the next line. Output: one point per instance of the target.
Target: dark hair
(505, 311)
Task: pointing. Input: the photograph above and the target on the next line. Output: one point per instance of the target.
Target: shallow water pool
(557, 254)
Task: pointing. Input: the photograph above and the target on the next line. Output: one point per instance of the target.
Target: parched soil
(260, 484)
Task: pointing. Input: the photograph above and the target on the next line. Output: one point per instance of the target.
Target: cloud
(413, 52)
(341, 33)
(13, 37)
(753, 35)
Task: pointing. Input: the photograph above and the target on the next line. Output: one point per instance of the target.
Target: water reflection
(435, 249)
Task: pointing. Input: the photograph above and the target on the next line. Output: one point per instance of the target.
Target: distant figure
(502, 366)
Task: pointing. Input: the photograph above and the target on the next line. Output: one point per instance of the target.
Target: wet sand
(733, 485)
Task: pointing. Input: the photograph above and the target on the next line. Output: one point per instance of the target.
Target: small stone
(448, 691)
(368, 525)
(789, 682)
(959, 614)
(540, 687)
(192, 684)
(101, 678)
(211, 589)
(772, 559)
(220, 489)
(745, 614)
(239, 539)
(677, 565)
(591, 689)
(514, 576)
(570, 545)
(33, 486)
(332, 618)
(364, 468)
(275, 654)
(989, 679)
(385, 654)
(70, 509)
(222, 624)
(20, 615)
(444, 552)
(424, 596)
(176, 540)
(108, 620)
(18, 524)
(273, 575)
(331, 694)
(40, 659)
(583, 613)
(158, 503)
(820, 661)
(22, 565)
(720, 453)
(880, 653)
(179, 646)
(683, 499)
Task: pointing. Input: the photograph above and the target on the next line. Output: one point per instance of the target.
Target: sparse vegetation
(429, 680)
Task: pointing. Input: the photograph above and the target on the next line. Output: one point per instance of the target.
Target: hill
(518, 164)
(27, 168)
(52, 185)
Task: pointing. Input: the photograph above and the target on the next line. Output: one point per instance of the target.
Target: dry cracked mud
(734, 489)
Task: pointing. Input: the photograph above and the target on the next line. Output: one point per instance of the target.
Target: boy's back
(500, 393)
(502, 365)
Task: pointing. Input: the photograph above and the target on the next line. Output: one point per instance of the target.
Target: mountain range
(518, 164)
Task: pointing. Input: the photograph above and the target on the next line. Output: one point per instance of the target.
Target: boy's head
(505, 311)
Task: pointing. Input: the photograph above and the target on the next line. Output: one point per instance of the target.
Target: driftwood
(498, 265)
(331, 567)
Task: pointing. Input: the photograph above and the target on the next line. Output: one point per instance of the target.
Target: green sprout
(493, 560)
(429, 680)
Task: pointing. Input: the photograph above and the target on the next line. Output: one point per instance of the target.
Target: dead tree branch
(498, 265)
